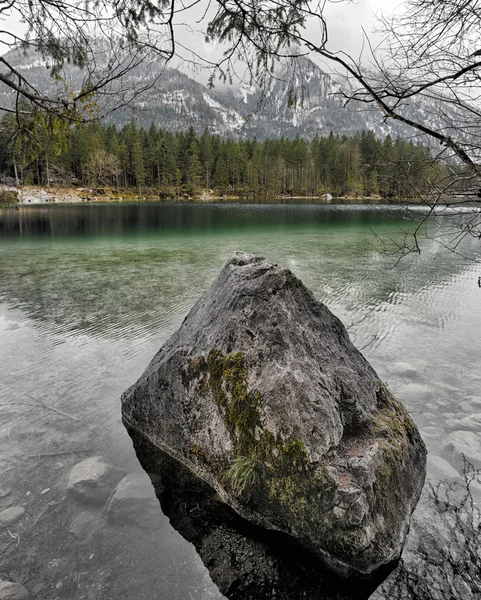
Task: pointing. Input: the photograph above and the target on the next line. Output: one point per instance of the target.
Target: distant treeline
(175, 164)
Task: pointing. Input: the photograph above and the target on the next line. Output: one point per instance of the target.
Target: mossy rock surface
(262, 394)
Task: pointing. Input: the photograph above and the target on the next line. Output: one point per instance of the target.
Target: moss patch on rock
(395, 432)
(265, 468)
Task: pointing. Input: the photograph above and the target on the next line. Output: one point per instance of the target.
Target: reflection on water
(131, 269)
(244, 561)
(89, 293)
(126, 219)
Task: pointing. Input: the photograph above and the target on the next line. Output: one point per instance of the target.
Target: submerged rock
(470, 422)
(440, 470)
(408, 370)
(5, 491)
(85, 524)
(10, 590)
(261, 394)
(93, 479)
(134, 502)
(11, 515)
(464, 445)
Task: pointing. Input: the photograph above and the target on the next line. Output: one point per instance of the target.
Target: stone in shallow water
(440, 470)
(5, 491)
(464, 443)
(416, 391)
(93, 479)
(262, 394)
(474, 403)
(134, 501)
(84, 524)
(11, 515)
(403, 369)
(468, 423)
(10, 590)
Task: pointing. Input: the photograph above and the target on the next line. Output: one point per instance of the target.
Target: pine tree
(194, 167)
(221, 175)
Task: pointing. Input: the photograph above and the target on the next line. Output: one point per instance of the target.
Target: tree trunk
(17, 182)
(47, 172)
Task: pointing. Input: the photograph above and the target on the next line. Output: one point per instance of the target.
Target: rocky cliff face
(175, 101)
(261, 394)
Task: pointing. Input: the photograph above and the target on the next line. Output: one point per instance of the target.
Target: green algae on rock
(261, 394)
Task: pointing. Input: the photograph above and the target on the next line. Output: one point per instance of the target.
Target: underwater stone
(11, 515)
(262, 394)
(5, 491)
(461, 445)
(134, 502)
(93, 479)
(10, 590)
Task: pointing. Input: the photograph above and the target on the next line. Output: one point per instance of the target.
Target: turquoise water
(89, 293)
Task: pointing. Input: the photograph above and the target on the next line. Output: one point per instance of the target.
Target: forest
(181, 164)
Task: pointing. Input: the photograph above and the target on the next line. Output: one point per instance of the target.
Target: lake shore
(80, 195)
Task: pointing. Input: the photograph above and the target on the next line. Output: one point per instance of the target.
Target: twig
(52, 409)
(14, 536)
(373, 338)
(60, 453)
(41, 514)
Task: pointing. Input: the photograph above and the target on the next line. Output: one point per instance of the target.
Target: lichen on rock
(262, 395)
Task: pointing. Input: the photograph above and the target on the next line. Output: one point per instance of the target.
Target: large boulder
(262, 394)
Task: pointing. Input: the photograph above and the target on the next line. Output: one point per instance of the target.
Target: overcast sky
(345, 22)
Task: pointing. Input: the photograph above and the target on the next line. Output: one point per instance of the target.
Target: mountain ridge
(173, 100)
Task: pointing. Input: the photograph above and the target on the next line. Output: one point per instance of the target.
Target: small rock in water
(83, 524)
(464, 443)
(134, 501)
(10, 590)
(11, 515)
(5, 491)
(416, 391)
(431, 430)
(475, 403)
(467, 423)
(93, 479)
(440, 470)
(403, 369)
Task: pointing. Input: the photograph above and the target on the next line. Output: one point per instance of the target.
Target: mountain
(175, 101)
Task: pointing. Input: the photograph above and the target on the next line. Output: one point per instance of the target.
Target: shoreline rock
(261, 394)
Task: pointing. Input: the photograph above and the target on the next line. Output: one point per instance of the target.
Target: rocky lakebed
(243, 484)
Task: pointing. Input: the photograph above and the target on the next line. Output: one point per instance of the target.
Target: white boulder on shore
(38, 195)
